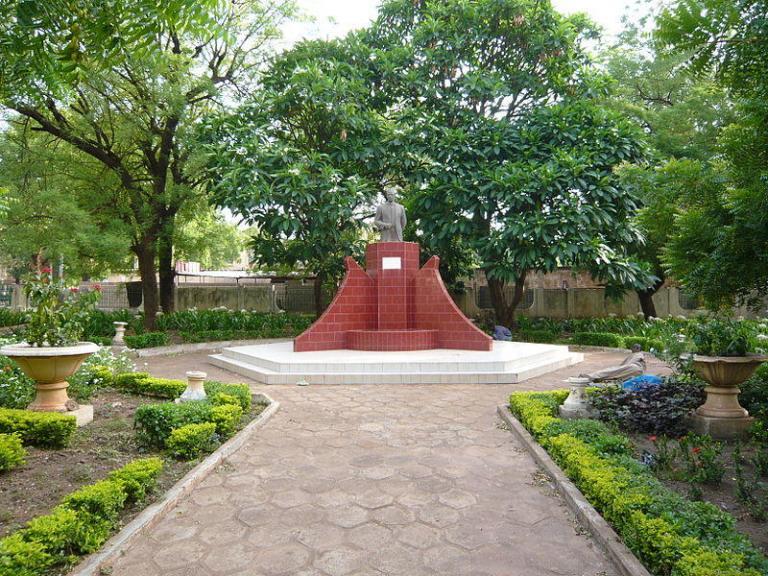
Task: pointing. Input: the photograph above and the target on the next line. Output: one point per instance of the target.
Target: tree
(52, 214)
(301, 161)
(206, 237)
(721, 246)
(683, 117)
(501, 131)
(124, 82)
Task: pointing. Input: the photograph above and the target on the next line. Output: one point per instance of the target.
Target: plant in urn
(52, 351)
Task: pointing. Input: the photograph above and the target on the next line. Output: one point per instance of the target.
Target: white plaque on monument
(392, 263)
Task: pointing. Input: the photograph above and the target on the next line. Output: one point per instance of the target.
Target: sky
(337, 17)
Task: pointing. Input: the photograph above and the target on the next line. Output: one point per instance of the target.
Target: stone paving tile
(372, 480)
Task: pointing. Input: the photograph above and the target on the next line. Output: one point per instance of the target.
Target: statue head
(390, 193)
(636, 348)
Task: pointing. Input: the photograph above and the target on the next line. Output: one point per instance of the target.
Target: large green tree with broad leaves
(720, 247)
(124, 81)
(501, 132)
(683, 116)
(301, 160)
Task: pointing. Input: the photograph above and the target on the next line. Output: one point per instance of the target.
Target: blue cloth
(634, 384)
(502, 333)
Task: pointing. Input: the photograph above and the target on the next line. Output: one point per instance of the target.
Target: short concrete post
(195, 389)
(576, 405)
(118, 341)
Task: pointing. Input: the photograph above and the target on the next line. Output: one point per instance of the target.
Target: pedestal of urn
(50, 367)
(721, 416)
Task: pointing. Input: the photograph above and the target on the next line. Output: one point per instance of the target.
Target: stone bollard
(118, 341)
(195, 389)
(576, 405)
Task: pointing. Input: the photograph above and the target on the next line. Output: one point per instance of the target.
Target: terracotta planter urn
(50, 367)
(721, 415)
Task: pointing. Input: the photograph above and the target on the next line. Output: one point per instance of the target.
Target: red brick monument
(392, 305)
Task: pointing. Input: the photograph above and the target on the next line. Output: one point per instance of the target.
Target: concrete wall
(256, 298)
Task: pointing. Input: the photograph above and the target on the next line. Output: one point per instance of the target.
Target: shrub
(100, 324)
(11, 452)
(647, 344)
(719, 336)
(143, 384)
(45, 429)
(667, 532)
(191, 441)
(10, 317)
(541, 336)
(754, 394)
(605, 339)
(227, 418)
(77, 526)
(17, 389)
(239, 391)
(652, 409)
(258, 324)
(155, 422)
(147, 340)
(19, 557)
(138, 476)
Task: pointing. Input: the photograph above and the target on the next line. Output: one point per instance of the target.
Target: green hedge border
(671, 535)
(80, 524)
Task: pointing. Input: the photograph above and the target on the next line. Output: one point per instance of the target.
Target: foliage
(652, 409)
(754, 395)
(56, 315)
(101, 323)
(300, 161)
(501, 134)
(155, 422)
(79, 525)
(45, 429)
(267, 325)
(647, 344)
(204, 236)
(598, 339)
(668, 533)
(701, 455)
(227, 418)
(16, 388)
(542, 336)
(97, 372)
(10, 317)
(721, 336)
(147, 340)
(143, 384)
(191, 441)
(11, 452)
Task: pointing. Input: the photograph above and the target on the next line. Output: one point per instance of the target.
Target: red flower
(46, 270)
(97, 287)
(652, 438)
(74, 289)
(696, 449)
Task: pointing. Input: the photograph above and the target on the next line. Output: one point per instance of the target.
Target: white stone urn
(721, 415)
(119, 340)
(576, 405)
(195, 387)
(50, 367)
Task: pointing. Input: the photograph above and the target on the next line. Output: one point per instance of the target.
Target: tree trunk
(503, 308)
(166, 269)
(146, 253)
(646, 298)
(318, 293)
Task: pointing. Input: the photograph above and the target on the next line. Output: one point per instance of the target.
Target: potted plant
(724, 357)
(53, 350)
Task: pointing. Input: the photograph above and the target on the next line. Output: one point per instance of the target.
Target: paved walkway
(364, 480)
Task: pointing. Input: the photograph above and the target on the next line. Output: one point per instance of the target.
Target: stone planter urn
(721, 416)
(50, 367)
(576, 405)
(119, 340)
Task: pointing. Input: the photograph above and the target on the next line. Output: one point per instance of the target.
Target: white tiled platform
(507, 363)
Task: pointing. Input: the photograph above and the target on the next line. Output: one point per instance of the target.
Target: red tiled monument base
(390, 306)
(391, 340)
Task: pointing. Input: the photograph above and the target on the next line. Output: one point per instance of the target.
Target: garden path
(359, 480)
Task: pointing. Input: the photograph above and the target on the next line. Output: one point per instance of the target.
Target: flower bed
(670, 534)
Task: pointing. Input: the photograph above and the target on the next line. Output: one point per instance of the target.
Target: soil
(96, 449)
(724, 495)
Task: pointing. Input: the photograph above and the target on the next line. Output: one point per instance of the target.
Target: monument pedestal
(393, 305)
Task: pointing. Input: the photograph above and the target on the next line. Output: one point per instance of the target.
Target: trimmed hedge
(12, 453)
(670, 534)
(646, 343)
(45, 429)
(155, 423)
(79, 525)
(145, 385)
(605, 339)
(147, 340)
(191, 441)
(223, 335)
(540, 336)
